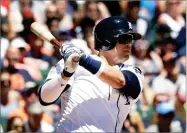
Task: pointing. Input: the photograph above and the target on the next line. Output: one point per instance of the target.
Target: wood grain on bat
(44, 33)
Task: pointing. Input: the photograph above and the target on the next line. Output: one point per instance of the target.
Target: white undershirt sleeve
(52, 89)
(54, 84)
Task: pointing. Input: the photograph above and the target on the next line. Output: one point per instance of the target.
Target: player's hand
(71, 56)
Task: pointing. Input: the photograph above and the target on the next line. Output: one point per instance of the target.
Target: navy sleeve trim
(132, 86)
(46, 104)
(90, 64)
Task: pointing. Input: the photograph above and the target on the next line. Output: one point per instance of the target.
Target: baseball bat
(43, 32)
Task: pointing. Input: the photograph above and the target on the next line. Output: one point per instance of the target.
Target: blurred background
(26, 59)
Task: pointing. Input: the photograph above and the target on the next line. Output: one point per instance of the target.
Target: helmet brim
(135, 36)
(130, 35)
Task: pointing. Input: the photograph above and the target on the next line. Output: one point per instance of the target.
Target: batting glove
(71, 56)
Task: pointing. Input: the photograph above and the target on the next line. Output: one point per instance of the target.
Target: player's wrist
(63, 79)
(71, 60)
(94, 66)
(66, 74)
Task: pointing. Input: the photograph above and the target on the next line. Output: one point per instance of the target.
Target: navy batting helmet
(111, 30)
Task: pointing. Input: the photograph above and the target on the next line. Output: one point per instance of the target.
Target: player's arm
(134, 82)
(126, 81)
(56, 82)
(112, 77)
(53, 86)
(99, 67)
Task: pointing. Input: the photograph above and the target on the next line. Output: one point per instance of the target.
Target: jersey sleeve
(134, 82)
(53, 86)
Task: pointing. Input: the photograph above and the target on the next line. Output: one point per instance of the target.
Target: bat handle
(55, 42)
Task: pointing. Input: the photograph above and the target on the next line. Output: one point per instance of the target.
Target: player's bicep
(133, 84)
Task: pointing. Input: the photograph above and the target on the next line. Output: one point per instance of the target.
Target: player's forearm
(105, 72)
(52, 89)
(112, 77)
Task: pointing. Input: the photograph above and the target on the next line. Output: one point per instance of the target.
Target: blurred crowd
(26, 59)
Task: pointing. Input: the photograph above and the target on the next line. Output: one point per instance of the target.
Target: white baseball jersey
(91, 105)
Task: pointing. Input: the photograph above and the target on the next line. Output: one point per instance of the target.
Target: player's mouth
(125, 50)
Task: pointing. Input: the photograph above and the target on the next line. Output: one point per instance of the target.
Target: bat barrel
(43, 32)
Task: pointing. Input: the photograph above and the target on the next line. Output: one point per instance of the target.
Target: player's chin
(123, 59)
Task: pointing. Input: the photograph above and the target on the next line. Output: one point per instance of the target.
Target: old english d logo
(130, 26)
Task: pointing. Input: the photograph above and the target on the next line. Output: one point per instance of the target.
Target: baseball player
(98, 91)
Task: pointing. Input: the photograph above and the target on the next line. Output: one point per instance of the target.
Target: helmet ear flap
(97, 42)
(105, 44)
(97, 45)
(102, 46)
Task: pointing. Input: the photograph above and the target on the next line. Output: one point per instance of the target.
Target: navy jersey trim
(117, 117)
(45, 103)
(109, 94)
(117, 104)
(132, 87)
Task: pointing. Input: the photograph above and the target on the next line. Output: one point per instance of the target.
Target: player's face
(123, 50)
(120, 53)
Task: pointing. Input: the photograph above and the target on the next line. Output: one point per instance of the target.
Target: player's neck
(103, 57)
